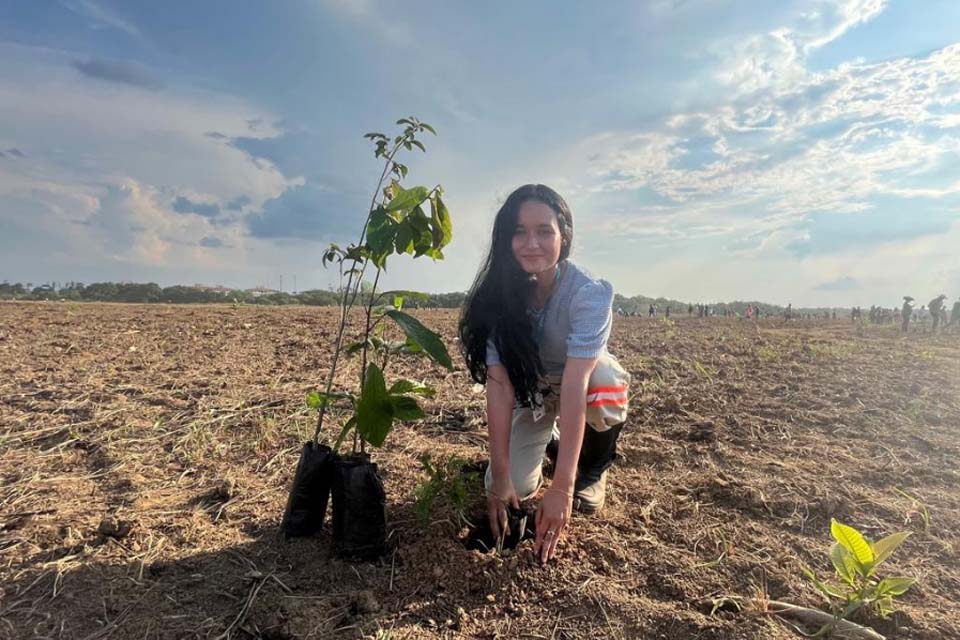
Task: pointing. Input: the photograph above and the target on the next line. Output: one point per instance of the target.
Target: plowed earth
(146, 452)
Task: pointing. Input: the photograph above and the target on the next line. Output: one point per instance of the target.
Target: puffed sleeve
(591, 317)
(493, 357)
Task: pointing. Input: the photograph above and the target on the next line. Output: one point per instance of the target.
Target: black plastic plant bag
(359, 510)
(307, 503)
(522, 524)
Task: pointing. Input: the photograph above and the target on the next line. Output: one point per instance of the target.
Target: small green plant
(397, 223)
(767, 353)
(702, 371)
(855, 560)
(447, 484)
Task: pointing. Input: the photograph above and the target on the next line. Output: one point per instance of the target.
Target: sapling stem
(344, 293)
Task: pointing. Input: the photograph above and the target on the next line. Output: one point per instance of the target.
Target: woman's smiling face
(537, 240)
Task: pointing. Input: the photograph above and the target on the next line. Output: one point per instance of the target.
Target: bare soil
(146, 452)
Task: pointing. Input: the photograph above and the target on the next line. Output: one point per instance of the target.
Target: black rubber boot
(597, 454)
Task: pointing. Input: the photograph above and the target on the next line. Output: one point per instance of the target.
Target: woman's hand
(553, 514)
(500, 495)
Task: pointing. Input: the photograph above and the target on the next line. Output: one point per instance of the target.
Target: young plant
(397, 223)
(855, 560)
(447, 484)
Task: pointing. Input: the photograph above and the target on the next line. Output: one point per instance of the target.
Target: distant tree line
(181, 294)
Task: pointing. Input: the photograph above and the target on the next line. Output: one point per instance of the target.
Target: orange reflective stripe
(620, 389)
(620, 402)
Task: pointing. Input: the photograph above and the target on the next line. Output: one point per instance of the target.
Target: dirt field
(146, 451)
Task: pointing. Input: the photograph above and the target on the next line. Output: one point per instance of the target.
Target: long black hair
(500, 296)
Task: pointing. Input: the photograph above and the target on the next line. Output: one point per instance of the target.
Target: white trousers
(607, 394)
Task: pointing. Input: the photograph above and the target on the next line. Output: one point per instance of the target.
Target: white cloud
(776, 57)
(829, 143)
(101, 16)
(105, 162)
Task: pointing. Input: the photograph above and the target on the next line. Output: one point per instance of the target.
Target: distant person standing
(906, 311)
(955, 314)
(668, 311)
(936, 306)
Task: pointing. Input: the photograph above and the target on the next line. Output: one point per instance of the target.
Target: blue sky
(710, 150)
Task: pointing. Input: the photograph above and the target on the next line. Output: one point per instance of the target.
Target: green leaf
(317, 399)
(398, 302)
(380, 230)
(407, 294)
(418, 144)
(825, 589)
(348, 425)
(372, 343)
(374, 411)
(885, 606)
(356, 253)
(404, 239)
(422, 337)
(843, 563)
(440, 219)
(405, 199)
(422, 234)
(854, 542)
(894, 586)
(406, 408)
(406, 346)
(331, 254)
(884, 547)
(411, 386)
(354, 347)
(428, 128)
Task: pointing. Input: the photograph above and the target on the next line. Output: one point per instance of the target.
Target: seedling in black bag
(396, 224)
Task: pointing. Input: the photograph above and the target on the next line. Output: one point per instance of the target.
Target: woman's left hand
(553, 514)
